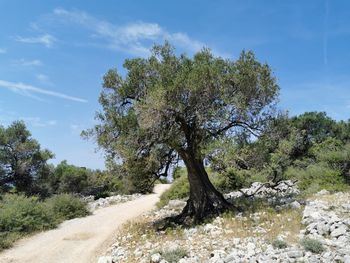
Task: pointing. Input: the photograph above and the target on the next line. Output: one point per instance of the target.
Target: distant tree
(69, 178)
(317, 125)
(23, 164)
(172, 107)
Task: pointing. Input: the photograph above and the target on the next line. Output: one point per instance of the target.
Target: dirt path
(81, 239)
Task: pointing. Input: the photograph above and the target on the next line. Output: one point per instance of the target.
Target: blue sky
(53, 55)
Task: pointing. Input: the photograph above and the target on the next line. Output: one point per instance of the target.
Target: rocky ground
(111, 200)
(276, 228)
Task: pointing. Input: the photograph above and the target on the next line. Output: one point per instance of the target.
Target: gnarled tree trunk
(204, 200)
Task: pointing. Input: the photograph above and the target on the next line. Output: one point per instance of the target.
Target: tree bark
(204, 201)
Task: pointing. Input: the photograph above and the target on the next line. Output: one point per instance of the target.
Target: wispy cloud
(46, 40)
(3, 51)
(25, 89)
(26, 63)
(7, 117)
(38, 122)
(44, 79)
(135, 38)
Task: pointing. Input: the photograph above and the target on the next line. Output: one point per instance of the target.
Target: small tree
(171, 107)
(22, 162)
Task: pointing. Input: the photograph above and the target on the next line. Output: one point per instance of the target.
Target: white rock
(156, 258)
(323, 192)
(295, 205)
(105, 259)
(295, 254)
(346, 259)
(341, 230)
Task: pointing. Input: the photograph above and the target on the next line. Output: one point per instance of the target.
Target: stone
(231, 257)
(156, 258)
(346, 259)
(295, 254)
(323, 192)
(295, 205)
(341, 230)
(174, 204)
(105, 259)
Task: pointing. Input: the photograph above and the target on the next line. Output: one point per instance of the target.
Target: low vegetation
(311, 148)
(280, 244)
(21, 215)
(312, 245)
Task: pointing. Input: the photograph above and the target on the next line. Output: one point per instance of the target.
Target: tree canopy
(22, 161)
(169, 108)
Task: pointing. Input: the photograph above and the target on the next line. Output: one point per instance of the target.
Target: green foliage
(24, 214)
(7, 239)
(69, 178)
(174, 255)
(317, 125)
(317, 177)
(170, 107)
(66, 206)
(311, 147)
(179, 189)
(312, 245)
(280, 244)
(22, 162)
(20, 215)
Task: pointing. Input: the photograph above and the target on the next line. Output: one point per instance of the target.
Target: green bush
(20, 215)
(174, 255)
(7, 239)
(312, 245)
(317, 177)
(66, 206)
(179, 189)
(280, 244)
(24, 214)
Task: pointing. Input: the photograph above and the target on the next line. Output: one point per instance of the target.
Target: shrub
(312, 245)
(20, 215)
(317, 177)
(174, 255)
(179, 189)
(24, 214)
(7, 238)
(66, 206)
(280, 244)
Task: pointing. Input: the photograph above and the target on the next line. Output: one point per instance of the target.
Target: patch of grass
(179, 189)
(280, 244)
(21, 215)
(174, 255)
(312, 245)
(7, 239)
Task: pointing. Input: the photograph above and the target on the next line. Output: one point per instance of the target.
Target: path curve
(80, 240)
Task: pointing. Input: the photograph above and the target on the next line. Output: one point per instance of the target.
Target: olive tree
(23, 164)
(170, 107)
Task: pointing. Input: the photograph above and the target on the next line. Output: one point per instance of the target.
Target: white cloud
(24, 62)
(3, 51)
(135, 38)
(37, 122)
(44, 79)
(46, 40)
(25, 89)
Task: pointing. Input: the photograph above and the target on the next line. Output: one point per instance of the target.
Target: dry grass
(137, 234)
